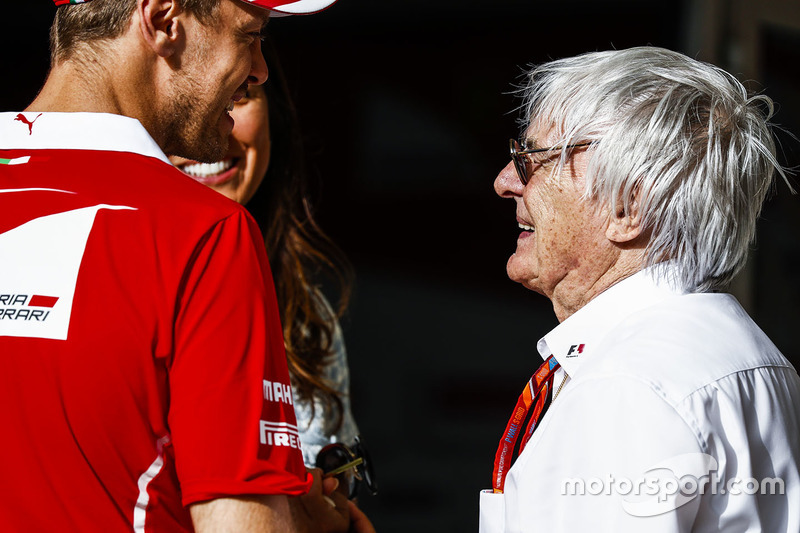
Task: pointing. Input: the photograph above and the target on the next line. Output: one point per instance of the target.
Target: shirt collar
(76, 131)
(572, 341)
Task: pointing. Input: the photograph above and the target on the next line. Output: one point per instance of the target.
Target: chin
(516, 271)
(527, 280)
(210, 147)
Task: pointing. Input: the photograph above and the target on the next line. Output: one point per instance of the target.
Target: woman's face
(241, 171)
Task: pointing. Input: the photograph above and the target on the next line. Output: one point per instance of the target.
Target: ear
(624, 223)
(159, 25)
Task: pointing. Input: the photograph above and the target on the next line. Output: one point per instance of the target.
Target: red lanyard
(535, 393)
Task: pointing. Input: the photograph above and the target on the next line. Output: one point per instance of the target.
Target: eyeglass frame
(360, 462)
(519, 164)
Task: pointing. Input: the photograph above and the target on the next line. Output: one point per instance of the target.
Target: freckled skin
(569, 258)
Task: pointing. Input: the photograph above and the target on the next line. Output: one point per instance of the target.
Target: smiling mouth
(208, 170)
(525, 227)
(211, 173)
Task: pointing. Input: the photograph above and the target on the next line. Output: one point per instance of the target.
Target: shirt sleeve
(231, 415)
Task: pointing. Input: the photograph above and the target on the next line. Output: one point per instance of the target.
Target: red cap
(280, 7)
(292, 7)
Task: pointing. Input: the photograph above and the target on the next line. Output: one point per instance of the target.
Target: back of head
(678, 140)
(83, 26)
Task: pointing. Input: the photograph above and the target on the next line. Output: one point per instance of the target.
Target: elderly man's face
(562, 247)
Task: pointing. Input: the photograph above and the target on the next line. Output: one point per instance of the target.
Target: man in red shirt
(138, 324)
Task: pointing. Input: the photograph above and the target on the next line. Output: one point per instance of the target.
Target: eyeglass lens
(350, 466)
(519, 161)
(336, 460)
(366, 468)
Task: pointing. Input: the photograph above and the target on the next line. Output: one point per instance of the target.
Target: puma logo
(22, 118)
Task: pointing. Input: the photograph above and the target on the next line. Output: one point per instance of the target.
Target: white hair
(680, 138)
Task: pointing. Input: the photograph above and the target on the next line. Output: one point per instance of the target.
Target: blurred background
(407, 108)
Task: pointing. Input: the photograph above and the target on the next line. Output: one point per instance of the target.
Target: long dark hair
(301, 255)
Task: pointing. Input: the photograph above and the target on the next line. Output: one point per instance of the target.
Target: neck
(100, 82)
(69, 88)
(574, 293)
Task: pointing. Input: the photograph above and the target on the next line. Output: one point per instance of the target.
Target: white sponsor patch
(39, 264)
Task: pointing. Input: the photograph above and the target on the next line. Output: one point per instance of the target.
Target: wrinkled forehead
(541, 135)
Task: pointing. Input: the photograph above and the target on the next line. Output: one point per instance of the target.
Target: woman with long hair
(265, 170)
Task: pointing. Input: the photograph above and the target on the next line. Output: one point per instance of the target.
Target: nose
(259, 72)
(507, 184)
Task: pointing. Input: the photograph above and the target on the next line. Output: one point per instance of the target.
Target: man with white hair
(637, 184)
(139, 330)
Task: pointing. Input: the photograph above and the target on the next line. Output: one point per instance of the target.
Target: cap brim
(298, 7)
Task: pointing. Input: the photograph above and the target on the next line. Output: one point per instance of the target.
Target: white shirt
(669, 395)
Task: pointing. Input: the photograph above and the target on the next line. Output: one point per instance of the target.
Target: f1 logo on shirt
(575, 350)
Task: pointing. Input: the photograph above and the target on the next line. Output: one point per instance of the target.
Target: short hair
(97, 20)
(681, 137)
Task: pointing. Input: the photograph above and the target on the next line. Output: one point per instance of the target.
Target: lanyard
(534, 394)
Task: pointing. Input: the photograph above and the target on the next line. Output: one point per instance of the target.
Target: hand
(359, 523)
(324, 509)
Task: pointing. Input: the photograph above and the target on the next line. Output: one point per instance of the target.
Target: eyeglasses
(351, 465)
(518, 153)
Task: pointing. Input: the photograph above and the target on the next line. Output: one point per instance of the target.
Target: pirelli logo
(279, 434)
(26, 306)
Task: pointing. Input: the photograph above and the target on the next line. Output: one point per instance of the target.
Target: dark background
(407, 108)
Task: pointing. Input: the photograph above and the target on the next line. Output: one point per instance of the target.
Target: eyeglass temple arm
(344, 467)
(528, 151)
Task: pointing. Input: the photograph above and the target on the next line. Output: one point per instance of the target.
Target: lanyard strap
(534, 394)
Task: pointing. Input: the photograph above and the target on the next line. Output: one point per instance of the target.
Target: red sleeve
(231, 414)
